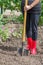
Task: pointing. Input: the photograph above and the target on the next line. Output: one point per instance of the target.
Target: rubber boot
(28, 46)
(29, 43)
(33, 50)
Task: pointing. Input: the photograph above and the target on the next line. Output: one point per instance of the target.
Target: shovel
(24, 30)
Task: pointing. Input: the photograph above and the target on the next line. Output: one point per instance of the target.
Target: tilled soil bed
(9, 49)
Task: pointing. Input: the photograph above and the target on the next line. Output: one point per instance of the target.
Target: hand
(28, 7)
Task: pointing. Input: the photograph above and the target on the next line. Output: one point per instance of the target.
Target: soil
(9, 49)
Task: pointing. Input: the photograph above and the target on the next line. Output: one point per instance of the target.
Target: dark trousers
(31, 25)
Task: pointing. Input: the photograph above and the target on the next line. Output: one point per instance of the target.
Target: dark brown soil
(9, 50)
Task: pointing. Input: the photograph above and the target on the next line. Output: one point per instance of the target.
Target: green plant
(4, 34)
(18, 34)
(41, 17)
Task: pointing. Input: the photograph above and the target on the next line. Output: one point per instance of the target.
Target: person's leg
(29, 31)
(35, 20)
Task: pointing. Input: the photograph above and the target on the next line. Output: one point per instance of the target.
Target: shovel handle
(24, 25)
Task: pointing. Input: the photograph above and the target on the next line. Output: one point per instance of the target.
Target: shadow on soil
(6, 48)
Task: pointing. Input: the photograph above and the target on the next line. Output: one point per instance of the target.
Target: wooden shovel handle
(24, 25)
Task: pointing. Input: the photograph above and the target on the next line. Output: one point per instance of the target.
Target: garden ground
(9, 49)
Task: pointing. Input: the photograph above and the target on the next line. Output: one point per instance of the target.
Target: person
(33, 13)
